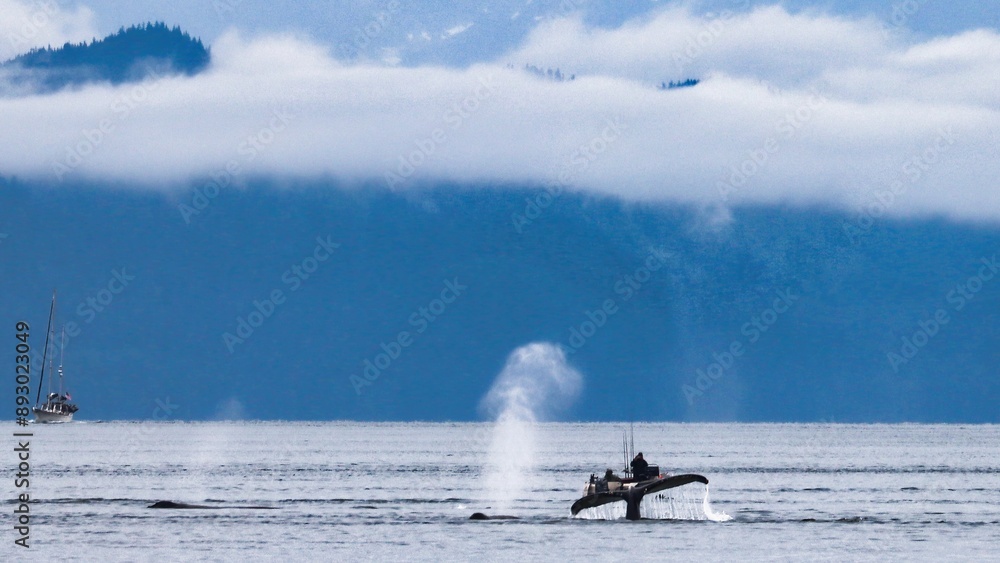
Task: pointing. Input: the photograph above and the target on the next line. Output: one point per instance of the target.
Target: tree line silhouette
(129, 54)
(679, 84)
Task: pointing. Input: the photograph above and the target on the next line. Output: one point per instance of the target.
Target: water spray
(536, 384)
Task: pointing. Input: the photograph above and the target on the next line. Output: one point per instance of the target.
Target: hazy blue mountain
(366, 29)
(852, 302)
(129, 55)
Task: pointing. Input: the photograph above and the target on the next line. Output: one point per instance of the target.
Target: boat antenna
(45, 352)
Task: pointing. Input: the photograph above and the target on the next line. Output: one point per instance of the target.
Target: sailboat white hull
(42, 415)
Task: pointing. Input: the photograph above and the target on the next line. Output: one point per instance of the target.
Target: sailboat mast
(45, 352)
(48, 388)
(62, 353)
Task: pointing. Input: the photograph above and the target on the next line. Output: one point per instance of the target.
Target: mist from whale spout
(535, 384)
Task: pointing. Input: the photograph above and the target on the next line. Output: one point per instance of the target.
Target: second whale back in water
(183, 505)
(481, 516)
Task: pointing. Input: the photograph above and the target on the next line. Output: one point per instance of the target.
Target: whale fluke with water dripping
(603, 491)
(641, 479)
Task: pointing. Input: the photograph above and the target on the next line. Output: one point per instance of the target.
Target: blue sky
(844, 150)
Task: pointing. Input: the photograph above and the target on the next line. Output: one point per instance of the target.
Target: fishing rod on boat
(628, 448)
(631, 439)
(45, 351)
(625, 455)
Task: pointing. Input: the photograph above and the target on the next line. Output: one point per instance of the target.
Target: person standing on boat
(639, 467)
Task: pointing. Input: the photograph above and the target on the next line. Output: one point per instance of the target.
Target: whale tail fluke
(633, 495)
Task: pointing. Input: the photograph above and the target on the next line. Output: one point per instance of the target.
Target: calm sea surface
(383, 492)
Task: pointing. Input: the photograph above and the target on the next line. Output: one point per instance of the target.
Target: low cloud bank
(791, 109)
(27, 25)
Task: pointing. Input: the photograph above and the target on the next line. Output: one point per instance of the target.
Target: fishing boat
(640, 480)
(57, 406)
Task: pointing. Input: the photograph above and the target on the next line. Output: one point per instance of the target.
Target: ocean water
(345, 491)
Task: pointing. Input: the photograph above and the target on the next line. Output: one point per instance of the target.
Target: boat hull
(49, 416)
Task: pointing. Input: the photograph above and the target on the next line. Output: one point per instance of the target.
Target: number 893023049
(22, 368)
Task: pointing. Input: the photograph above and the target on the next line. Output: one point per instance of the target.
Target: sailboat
(56, 407)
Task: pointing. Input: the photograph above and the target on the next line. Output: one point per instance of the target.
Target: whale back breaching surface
(535, 384)
(172, 505)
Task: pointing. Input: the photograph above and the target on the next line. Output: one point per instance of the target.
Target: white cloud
(391, 56)
(833, 110)
(25, 25)
(452, 31)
